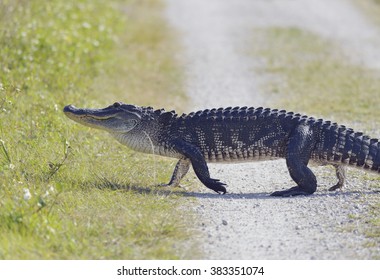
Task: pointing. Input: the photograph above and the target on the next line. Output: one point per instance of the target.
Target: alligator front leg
(199, 164)
(299, 150)
(180, 170)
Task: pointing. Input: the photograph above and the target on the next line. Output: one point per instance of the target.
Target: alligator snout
(69, 109)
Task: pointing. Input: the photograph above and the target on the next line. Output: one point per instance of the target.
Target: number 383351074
(237, 270)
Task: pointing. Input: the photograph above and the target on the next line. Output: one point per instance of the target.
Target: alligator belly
(230, 155)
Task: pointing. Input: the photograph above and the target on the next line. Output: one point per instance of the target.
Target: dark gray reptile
(237, 134)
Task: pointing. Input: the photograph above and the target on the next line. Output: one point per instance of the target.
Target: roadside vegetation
(311, 75)
(66, 191)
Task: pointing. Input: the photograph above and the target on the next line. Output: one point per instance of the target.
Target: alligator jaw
(95, 118)
(75, 113)
(113, 119)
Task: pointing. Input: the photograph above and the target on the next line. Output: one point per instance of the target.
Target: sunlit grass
(313, 76)
(67, 191)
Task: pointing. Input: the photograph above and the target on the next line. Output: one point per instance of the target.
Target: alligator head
(117, 118)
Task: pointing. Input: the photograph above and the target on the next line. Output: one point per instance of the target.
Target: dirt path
(246, 223)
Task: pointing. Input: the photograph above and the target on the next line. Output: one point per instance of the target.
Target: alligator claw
(216, 186)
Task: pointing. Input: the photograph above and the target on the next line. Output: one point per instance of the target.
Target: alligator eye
(117, 104)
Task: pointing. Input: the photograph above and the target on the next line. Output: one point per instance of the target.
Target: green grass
(66, 191)
(312, 76)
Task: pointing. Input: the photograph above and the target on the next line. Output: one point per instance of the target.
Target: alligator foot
(291, 192)
(216, 185)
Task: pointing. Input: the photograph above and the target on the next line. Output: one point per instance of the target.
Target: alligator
(238, 134)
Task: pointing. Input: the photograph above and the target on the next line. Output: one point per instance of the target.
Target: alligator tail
(338, 144)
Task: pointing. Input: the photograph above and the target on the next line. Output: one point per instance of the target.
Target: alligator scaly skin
(242, 134)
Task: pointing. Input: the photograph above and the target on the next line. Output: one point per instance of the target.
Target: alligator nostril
(117, 104)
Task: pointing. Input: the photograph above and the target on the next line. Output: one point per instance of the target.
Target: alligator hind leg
(298, 153)
(180, 170)
(340, 171)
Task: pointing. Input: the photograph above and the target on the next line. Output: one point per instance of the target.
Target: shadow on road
(166, 191)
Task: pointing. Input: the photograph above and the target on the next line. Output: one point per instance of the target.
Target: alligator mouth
(78, 113)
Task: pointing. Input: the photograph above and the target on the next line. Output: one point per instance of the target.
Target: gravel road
(247, 223)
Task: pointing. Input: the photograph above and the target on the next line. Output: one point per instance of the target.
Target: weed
(6, 159)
